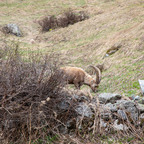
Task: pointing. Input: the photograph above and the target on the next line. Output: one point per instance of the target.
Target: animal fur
(78, 77)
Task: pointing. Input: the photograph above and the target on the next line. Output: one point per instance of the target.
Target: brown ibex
(78, 77)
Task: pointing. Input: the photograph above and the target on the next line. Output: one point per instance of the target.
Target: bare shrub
(23, 88)
(48, 23)
(75, 17)
(67, 18)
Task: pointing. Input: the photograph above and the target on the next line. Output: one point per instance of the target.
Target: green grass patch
(47, 140)
(80, 2)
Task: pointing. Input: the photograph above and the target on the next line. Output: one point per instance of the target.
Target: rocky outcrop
(111, 110)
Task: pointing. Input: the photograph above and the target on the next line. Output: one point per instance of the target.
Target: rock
(140, 108)
(32, 41)
(122, 115)
(63, 129)
(80, 98)
(84, 110)
(141, 101)
(103, 124)
(109, 97)
(141, 118)
(141, 82)
(48, 99)
(106, 116)
(119, 127)
(136, 98)
(132, 97)
(63, 106)
(130, 107)
(106, 55)
(111, 107)
(13, 29)
(43, 102)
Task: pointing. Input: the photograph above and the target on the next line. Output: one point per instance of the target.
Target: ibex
(78, 77)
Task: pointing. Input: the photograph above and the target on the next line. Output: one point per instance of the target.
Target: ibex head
(94, 82)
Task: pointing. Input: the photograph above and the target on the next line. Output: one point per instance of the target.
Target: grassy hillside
(111, 22)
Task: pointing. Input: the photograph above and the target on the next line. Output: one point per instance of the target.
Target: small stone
(107, 54)
(48, 99)
(133, 97)
(119, 127)
(136, 98)
(103, 124)
(32, 41)
(43, 102)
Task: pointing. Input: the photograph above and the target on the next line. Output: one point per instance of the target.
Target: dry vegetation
(31, 97)
(68, 18)
(24, 86)
(111, 22)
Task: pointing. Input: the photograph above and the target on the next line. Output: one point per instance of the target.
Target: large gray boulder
(109, 97)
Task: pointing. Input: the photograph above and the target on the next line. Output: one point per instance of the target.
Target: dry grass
(86, 42)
